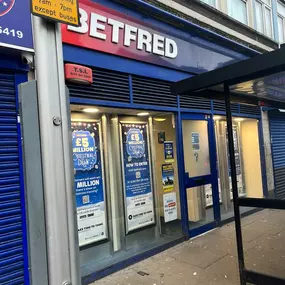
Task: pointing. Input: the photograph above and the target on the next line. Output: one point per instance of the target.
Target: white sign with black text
(170, 207)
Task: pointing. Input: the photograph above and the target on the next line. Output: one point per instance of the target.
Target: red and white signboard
(78, 73)
(109, 31)
(170, 207)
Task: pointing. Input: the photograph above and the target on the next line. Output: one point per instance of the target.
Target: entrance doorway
(200, 178)
(247, 159)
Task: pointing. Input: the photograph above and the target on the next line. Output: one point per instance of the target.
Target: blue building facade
(163, 167)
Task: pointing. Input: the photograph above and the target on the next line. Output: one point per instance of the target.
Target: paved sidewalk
(212, 259)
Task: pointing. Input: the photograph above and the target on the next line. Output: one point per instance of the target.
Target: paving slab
(220, 244)
(200, 257)
(211, 259)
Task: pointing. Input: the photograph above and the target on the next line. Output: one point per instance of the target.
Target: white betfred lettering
(130, 35)
(144, 39)
(116, 26)
(158, 44)
(83, 28)
(171, 48)
(95, 25)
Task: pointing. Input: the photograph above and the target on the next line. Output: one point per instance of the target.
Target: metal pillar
(55, 135)
(234, 184)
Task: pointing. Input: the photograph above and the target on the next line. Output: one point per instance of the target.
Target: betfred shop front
(145, 160)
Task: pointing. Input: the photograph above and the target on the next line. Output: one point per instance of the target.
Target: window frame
(264, 7)
(283, 20)
(247, 12)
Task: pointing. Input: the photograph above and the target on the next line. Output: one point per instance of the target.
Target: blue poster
(137, 177)
(89, 185)
(168, 152)
(15, 25)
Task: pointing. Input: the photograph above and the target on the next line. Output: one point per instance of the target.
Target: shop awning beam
(255, 67)
(216, 95)
(238, 98)
(262, 279)
(261, 203)
(234, 183)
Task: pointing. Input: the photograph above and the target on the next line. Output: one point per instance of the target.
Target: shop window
(237, 9)
(281, 21)
(247, 158)
(263, 17)
(126, 183)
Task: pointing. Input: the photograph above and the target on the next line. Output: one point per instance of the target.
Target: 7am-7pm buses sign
(64, 11)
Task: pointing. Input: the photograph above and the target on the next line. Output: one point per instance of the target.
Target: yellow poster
(167, 177)
(64, 11)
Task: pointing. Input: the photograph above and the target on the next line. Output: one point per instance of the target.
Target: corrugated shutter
(221, 106)
(191, 102)
(11, 234)
(277, 131)
(153, 92)
(250, 110)
(107, 86)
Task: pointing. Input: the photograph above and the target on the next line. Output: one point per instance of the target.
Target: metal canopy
(258, 80)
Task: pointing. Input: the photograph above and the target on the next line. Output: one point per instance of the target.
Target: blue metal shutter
(277, 131)
(107, 86)
(191, 102)
(250, 110)
(153, 92)
(237, 108)
(221, 106)
(11, 233)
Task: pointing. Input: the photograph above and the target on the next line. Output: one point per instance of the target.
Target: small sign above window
(78, 74)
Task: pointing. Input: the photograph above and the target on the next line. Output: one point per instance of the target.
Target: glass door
(200, 173)
(247, 159)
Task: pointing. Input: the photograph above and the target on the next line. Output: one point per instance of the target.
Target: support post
(56, 155)
(234, 184)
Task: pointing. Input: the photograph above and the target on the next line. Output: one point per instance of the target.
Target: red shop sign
(109, 31)
(78, 73)
(113, 32)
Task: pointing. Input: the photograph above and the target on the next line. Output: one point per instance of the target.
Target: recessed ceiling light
(159, 119)
(142, 114)
(91, 110)
(217, 118)
(239, 119)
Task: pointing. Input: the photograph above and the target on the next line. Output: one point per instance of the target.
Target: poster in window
(168, 152)
(167, 177)
(138, 193)
(161, 137)
(195, 141)
(170, 207)
(238, 162)
(89, 182)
